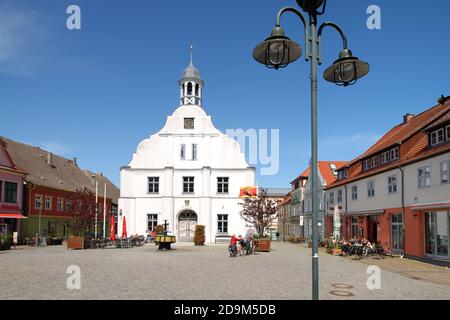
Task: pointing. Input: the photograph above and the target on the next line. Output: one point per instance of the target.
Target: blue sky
(97, 92)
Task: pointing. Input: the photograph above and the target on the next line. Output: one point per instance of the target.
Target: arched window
(197, 87)
(189, 89)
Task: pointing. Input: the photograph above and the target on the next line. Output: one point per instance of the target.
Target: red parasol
(112, 231)
(124, 228)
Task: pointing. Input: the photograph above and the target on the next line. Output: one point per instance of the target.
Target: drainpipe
(346, 198)
(403, 208)
(346, 206)
(30, 201)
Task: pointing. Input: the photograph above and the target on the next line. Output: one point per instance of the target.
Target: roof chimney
(50, 159)
(444, 100)
(407, 117)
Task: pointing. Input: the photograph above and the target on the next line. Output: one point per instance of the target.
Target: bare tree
(259, 212)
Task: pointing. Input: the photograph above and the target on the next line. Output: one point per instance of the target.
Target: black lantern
(346, 70)
(311, 5)
(277, 51)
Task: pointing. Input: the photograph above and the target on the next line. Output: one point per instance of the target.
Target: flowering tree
(81, 207)
(259, 212)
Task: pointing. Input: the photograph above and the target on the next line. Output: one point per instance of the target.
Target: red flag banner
(112, 231)
(249, 192)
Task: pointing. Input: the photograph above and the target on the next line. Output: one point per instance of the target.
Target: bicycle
(378, 251)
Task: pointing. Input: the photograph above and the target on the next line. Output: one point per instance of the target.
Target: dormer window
(395, 154)
(189, 123)
(381, 159)
(365, 165)
(448, 133)
(385, 157)
(437, 137)
(374, 162)
(342, 174)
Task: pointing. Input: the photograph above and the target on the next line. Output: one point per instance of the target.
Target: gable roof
(403, 131)
(325, 171)
(112, 191)
(419, 150)
(63, 174)
(6, 163)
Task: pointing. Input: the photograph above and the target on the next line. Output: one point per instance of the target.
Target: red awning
(12, 216)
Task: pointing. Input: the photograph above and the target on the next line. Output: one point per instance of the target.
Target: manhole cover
(342, 293)
(342, 286)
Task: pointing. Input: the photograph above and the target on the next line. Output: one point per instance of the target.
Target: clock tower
(191, 85)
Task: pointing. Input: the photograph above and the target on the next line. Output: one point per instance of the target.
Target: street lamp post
(278, 51)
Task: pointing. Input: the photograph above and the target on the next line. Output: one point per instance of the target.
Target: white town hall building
(188, 173)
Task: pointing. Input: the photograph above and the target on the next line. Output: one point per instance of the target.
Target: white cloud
(56, 148)
(20, 33)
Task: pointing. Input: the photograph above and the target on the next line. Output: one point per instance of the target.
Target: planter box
(335, 252)
(5, 246)
(75, 243)
(263, 245)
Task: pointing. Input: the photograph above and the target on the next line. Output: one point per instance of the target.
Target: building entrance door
(373, 229)
(397, 232)
(186, 225)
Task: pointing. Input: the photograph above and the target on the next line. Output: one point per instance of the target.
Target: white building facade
(188, 173)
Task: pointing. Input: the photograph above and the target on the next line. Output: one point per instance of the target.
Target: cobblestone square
(198, 273)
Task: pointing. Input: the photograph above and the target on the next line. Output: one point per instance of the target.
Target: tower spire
(191, 84)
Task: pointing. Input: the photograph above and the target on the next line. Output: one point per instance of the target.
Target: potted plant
(260, 212)
(5, 242)
(159, 230)
(334, 248)
(263, 243)
(199, 236)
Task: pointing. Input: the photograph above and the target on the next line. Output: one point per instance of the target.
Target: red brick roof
(403, 131)
(325, 171)
(410, 150)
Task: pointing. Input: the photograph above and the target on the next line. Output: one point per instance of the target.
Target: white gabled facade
(188, 173)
